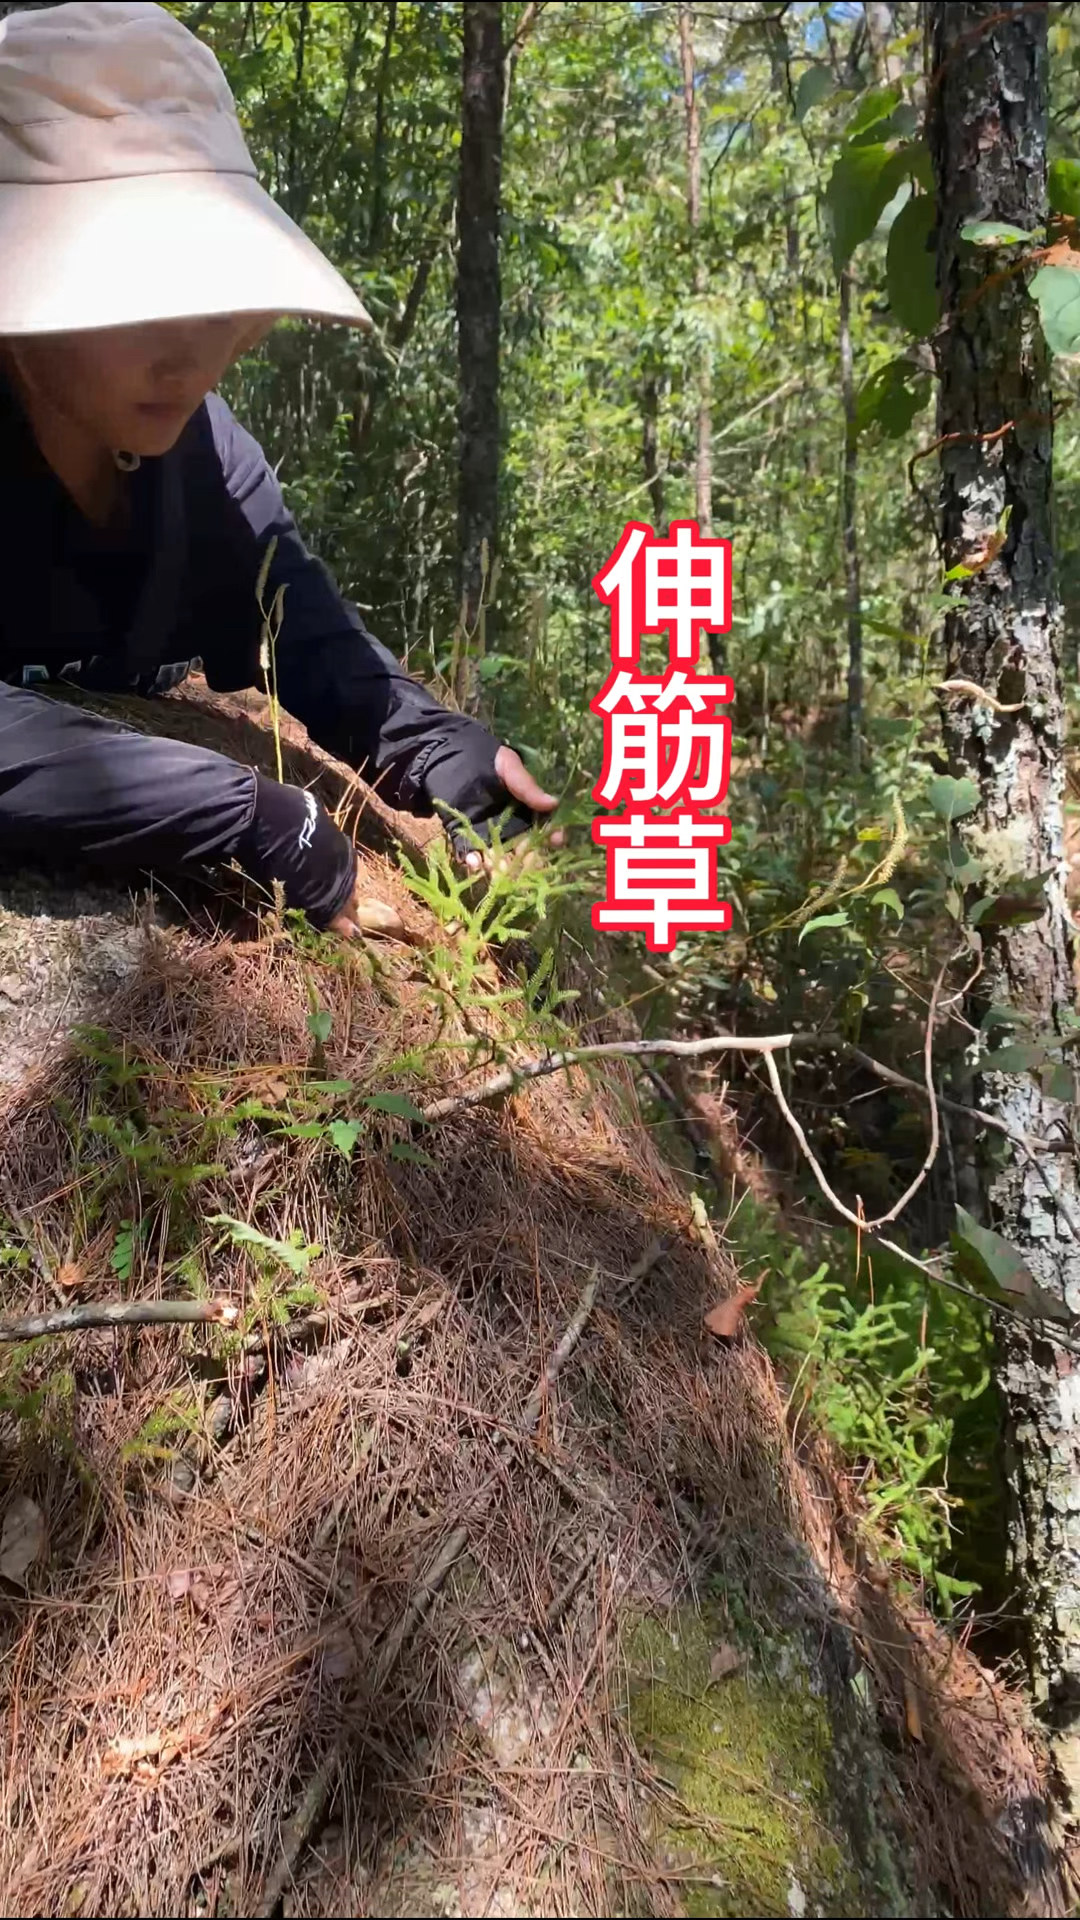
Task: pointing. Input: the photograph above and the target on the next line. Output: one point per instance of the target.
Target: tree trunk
(849, 524)
(703, 458)
(478, 313)
(378, 163)
(650, 421)
(987, 125)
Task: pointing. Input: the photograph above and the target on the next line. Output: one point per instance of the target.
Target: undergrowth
(897, 1373)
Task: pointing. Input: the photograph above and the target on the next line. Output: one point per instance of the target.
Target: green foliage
(892, 397)
(293, 1253)
(910, 267)
(1063, 183)
(887, 1367)
(952, 799)
(1057, 292)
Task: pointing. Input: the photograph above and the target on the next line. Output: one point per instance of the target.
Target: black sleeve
(74, 785)
(347, 689)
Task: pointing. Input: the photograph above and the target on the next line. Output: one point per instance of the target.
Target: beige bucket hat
(127, 193)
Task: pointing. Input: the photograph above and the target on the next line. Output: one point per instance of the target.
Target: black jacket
(135, 611)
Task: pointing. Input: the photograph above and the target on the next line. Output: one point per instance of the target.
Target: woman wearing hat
(140, 257)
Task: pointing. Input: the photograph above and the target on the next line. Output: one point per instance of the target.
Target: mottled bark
(703, 455)
(478, 314)
(987, 93)
(849, 526)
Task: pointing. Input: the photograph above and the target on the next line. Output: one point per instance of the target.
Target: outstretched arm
(353, 696)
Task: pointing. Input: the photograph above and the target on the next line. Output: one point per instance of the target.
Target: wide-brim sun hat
(127, 193)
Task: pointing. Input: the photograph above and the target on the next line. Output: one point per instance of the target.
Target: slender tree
(703, 456)
(849, 525)
(987, 113)
(478, 316)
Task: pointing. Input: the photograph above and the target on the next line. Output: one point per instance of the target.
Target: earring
(127, 462)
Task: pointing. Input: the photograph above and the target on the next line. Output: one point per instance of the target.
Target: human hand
(367, 915)
(520, 785)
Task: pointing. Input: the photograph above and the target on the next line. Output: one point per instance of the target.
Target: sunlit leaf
(823, 920)
(993, 233)
(952, 799)
(1057, 291)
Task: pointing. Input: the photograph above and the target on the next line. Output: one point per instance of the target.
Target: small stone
(11, 987)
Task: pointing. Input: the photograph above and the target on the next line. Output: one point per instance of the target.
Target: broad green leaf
(823, 920)
(870, 111)
(1064, 184)
(993, 233)
(814, 84)
(888, 897)
(1057, 291)
(988, 1262)
(319, 1024)
(345, 1134)
(860, 187)
(892, 397)
(1058, 1082)
(952, 799)
(871, 833)
(1012, 1059)
(965, 870)
(910, 265)
(398, 1103)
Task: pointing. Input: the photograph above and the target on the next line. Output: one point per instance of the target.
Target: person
(141, 257)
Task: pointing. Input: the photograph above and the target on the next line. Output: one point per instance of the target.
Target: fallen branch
(856, 1219)
(835, 1043)
(1029, 1144)
(118, 1313)
(510, 1078)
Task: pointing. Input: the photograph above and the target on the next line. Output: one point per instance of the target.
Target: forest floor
(465, 1573)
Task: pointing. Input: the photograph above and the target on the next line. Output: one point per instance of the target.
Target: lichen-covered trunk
(987, 112)
(478, 319)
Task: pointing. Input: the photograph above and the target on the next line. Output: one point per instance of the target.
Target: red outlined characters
(667, 750)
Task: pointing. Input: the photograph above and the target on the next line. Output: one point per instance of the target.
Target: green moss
(745, 1815)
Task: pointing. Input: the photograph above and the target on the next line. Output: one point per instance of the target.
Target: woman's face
(134, 389)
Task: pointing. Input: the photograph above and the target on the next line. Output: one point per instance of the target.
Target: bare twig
(510, 1078)
(118, 1313)
(835, 1043)
(975, 692)
(871, 1226)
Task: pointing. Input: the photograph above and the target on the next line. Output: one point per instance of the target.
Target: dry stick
(835, 1043)
(313, 1802)
(1029, 1144)
(118, 1313)
(856, 1219)
(510, 1078)
(1050, 1332)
